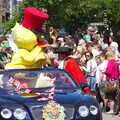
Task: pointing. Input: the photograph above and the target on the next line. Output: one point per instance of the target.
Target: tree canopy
(73, 13)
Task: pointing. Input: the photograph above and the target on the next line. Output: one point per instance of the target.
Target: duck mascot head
(27, 37)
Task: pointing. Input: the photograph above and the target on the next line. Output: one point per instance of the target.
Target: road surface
(110, 117)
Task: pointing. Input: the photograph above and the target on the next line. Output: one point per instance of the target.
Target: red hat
(34, 19)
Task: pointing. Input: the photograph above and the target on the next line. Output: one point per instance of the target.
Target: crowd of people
(89, 59)
(5, 52)
(98, 60)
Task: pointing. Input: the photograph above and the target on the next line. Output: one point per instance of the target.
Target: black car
(27, 95)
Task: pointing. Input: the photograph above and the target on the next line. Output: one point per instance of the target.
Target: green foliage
(72, 13)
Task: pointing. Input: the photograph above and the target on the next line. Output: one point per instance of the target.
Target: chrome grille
(37, 112)
(69, 112)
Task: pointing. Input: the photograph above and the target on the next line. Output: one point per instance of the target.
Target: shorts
(102, 89)
(92, 83)
(110, 89)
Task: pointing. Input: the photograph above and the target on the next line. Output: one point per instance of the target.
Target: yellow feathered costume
(29, 54)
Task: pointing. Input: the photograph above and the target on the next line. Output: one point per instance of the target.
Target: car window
(13, 79)
(62, 79)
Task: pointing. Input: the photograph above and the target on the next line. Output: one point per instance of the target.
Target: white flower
(53, 111)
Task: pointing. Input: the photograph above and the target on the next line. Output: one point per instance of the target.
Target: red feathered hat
(34, 19)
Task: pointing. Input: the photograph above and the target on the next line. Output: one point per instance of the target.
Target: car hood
(75, 98)
(15, 99)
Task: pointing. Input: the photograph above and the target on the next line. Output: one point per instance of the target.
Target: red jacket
(72, 67)
(112, 71)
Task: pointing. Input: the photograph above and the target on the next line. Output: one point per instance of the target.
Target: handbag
(111, 86)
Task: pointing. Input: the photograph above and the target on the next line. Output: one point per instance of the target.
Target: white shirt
(61, 64)
(91, 67)
(100, 76)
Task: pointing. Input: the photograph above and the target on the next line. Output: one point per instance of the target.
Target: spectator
(72, 67)
(91, 66)
(111, 84)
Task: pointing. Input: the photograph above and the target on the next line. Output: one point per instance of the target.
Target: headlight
(20, 114)
(83, 111)
(93, 110)
(6, 113)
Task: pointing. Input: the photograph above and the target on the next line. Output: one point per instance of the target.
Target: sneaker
(116, 113)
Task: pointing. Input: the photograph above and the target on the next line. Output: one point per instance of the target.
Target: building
(4, 12)
(7, 8)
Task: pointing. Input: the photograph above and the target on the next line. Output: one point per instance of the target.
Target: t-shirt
(91, 67)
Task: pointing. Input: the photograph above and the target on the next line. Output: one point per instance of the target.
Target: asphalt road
(110, 117)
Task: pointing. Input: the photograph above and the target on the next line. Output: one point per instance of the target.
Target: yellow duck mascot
(30, 53)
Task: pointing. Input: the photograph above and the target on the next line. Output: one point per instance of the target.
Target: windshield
(13, 79)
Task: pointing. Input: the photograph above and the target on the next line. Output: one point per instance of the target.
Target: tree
(73, 13)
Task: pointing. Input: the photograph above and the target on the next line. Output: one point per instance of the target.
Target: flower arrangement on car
(53, 111)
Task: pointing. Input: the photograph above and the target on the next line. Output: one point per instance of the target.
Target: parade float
(44, 94)
(21, 83)
(41, 93)
(31, 54)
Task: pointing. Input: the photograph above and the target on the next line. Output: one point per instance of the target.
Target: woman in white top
(91, 66)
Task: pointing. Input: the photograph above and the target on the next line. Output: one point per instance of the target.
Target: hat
(60, 39)
(74, 56)
(114, 45)
(34, 19)
(91, 28)
(65, 50)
